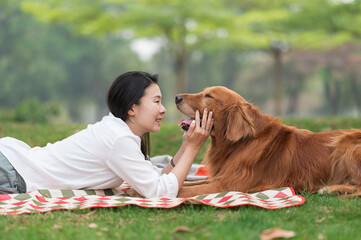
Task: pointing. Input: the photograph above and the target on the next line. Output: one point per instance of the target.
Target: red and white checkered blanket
(50, 200)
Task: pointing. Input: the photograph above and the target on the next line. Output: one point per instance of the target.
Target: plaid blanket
(50, 200)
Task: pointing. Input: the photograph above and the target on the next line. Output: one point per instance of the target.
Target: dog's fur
(251, 151)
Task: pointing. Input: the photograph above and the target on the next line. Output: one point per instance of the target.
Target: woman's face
(147, 116)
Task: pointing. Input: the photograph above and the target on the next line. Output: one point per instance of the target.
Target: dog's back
(277, 156)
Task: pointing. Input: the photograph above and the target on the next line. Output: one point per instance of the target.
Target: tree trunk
(230, 68)
(277, 81)
(332, 92)
(99, 87)
(293, 102)
(356, 92)
(180, 70)
(336, 98)
(180, 59)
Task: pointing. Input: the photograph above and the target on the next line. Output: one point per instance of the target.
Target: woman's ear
(131, 111)
(239, 124)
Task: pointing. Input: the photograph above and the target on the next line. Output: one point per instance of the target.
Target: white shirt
(103, 155)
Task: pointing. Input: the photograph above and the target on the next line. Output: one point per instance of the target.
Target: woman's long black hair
(125, 91)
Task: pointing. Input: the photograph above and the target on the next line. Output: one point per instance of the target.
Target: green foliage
(331, 16)
(33, 111)
(145, 17)
(6, 115)
(51, 62)
(45, 59)
(188, 25)
(328, 20)
(205, 24)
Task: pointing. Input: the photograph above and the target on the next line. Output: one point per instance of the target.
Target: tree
(340, 22)
(180, 24)
(342, 71)
(269, 25)
(283, 25)
(22, 60)
(49, 63)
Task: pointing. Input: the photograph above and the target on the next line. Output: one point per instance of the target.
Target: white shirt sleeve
(127, 161)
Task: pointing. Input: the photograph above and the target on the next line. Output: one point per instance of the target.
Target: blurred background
(288, 57)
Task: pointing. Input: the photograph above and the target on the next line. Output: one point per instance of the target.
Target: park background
(295, 59)
(288, 57)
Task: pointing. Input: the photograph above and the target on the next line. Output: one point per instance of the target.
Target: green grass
(320, 217)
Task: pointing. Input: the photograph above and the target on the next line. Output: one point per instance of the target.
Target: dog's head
(231, 113)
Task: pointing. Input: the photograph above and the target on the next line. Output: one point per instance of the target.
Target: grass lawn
(320, 217)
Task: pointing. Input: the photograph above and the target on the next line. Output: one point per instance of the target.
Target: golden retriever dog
(251, 151)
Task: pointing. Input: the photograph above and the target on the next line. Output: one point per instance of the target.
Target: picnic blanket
(53, 199)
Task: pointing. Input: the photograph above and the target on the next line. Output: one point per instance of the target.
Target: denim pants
(10, 180)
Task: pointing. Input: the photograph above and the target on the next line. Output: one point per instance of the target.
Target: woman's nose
(163, 110)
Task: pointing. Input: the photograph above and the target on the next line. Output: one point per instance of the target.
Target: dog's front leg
(133, 193)
(193, 183)
(206, 188)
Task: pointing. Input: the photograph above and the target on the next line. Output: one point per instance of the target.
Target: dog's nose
(178, 99)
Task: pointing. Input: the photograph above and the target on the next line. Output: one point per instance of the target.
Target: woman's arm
(167, 168)
(193, 140)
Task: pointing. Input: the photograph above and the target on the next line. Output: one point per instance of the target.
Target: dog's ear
(239, 123)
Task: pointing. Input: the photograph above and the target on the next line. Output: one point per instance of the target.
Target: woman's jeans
(10, 180)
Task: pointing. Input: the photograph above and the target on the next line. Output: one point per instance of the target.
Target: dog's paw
(324, 190)
(132, 193)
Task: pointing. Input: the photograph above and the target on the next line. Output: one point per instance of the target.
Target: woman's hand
(199, 130)
(193, 140)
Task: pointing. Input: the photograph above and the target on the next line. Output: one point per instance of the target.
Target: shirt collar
(121, 122)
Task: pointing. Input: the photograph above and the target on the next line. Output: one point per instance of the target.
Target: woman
(109, 152)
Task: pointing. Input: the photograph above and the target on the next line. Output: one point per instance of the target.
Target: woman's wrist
(192, 148)
(172, 163)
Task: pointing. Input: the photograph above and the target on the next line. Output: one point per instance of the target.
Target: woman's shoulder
(115, 124)
(113, 127)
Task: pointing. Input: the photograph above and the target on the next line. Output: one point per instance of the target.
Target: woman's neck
(134, 128)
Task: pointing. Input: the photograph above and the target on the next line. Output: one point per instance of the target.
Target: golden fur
(251, 151)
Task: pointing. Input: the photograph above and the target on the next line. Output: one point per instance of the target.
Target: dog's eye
(209, 96)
